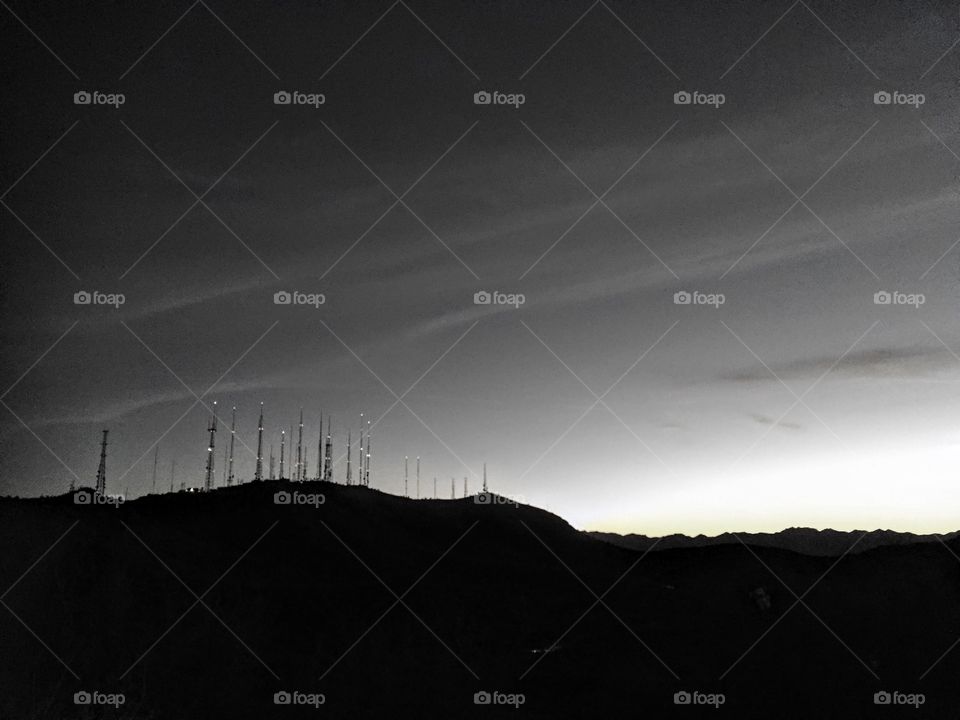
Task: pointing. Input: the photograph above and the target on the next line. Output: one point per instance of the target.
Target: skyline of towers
(328, 454)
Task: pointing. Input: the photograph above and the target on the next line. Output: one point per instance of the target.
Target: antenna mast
(349, 481)
(484, 478)
(233, 433)
(156, 453)
(418, 477)
(406, 491)
(283, 438)
(328, 457)
(102, 468)
(208, 481)
(258, 473)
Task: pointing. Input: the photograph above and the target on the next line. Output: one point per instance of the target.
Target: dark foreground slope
(302, 598)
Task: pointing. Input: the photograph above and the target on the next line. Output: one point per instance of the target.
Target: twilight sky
(798, 401)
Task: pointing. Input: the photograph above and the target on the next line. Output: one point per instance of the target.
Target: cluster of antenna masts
(297, 465)
(291, 466)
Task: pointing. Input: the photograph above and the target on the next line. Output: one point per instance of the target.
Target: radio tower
(233, 432)
(360, 473)
(464, 486)
(173, 472)
(349, 480)
(320, 471)
(434, 488)
(366, 472)
(283, 437)
(208, 482)
(102, 468)
(453, 488)
(300, 449)
(328, 457)
(406, 491)
(418, 477)
(484, 478)
(258, 474)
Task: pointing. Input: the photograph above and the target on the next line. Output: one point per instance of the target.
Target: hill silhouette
(301, 597)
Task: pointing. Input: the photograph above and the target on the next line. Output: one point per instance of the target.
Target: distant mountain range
(823, 543)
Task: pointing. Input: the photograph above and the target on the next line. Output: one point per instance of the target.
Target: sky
(784, 395)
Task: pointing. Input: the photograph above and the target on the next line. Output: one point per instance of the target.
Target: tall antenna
(366, 474)
(453, 488)
(102, 468)
(406, 490)
(320, 471)
(283, 438)
(173, 472)
(418, 477)
(156, 454)
(464, 486)
(328, 459)
(208, 481)
(300, 449)
(233, 433)
(360, 474)
(484, 478)
(349, 480)
(258, 474)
